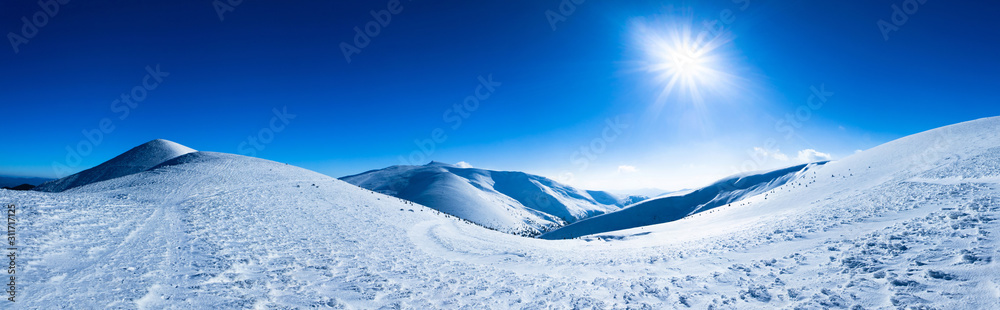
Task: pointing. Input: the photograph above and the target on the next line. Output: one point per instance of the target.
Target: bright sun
(682, 60)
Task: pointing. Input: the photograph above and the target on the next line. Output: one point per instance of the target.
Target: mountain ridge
(669, 208)
(510, 201)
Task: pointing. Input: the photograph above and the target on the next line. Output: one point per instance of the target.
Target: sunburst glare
(683, 62)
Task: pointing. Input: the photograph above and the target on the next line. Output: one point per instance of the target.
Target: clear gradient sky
(549, 76)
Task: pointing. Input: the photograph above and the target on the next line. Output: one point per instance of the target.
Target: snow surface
(909, 224)
(136, 160)
(508, 201)
(674, 206)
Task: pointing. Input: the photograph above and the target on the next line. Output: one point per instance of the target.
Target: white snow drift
(909, 224)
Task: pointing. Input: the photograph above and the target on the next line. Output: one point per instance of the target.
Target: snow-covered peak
(438, 164)
(509, 201)
(138, 159)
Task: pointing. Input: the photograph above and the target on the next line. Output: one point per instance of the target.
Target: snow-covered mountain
(508, 201)
(674, 206)
(207, 230)
(136, 160)
(910, 224)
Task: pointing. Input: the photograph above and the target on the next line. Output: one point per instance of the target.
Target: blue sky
(554, 90)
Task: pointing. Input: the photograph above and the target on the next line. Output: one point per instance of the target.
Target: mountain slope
(513, 202)
(674, 207)
(205, 230)
(136, 160)
(907, 225)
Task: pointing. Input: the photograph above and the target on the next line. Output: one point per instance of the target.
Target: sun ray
(686, 64)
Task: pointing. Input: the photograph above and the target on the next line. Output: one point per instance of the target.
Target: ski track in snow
(234, 232)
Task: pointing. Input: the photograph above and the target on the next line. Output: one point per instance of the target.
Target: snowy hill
(136, 160)
(910, 224)
(674, 206)
(509, 201)
(206, 230)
